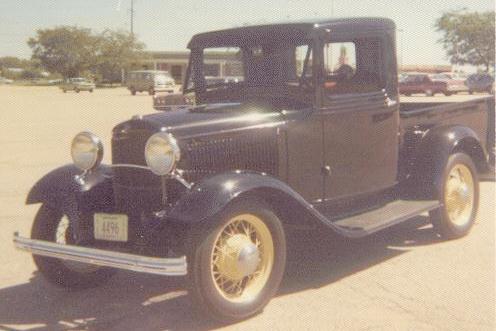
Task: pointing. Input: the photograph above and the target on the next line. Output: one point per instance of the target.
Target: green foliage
(14, 62)
(30, 68)
(66, 50)
(468, 37)
(75, 51)
(118, 50)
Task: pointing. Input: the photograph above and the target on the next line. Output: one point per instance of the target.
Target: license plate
(111, 227)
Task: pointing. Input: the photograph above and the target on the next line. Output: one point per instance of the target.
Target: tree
(73, 51)
(117, 51)
(468, 37)
(14, 62)
(65, 50)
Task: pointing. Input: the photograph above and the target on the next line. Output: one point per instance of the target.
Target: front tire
(459, 194)
(237, 261)
(51, 225)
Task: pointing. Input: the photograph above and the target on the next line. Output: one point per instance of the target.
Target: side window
(353, 67)
(301, 54)
(340, 59)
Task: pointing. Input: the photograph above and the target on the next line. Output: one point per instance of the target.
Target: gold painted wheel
(63, 236)
(50, 224)
(242, 258)
(459, 195)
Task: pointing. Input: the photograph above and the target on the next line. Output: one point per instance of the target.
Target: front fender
(60, 189)
(210, 196)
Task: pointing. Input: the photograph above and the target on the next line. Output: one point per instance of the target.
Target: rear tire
(429, 93)
(133, 91)
(47, 226)
(459, 193)
(151, 91)
(237, 261)
(76, 90)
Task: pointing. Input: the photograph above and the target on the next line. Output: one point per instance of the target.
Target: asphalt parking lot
(404, 278)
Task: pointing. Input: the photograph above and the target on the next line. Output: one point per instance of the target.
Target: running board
(378, 219)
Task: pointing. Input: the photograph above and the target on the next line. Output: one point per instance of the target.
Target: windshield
(277, 66)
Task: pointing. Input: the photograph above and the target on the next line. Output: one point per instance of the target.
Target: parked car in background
(77, 84)
(4, 80)
(422, 83)
(455, 82)
(480, 83)
(402, 76)
(150, 81)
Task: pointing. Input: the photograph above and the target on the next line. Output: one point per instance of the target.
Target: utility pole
(132, 17)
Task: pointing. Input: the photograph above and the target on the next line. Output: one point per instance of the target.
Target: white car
(4, 80)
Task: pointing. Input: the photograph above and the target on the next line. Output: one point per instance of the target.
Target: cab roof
(292, 31)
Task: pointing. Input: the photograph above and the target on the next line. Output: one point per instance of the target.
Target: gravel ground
(404, 278)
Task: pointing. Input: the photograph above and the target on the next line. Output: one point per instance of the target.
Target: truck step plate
(392, 213)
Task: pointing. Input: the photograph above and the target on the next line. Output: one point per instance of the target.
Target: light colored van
(150, 81)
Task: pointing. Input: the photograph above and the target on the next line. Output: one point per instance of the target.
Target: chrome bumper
(151, 265)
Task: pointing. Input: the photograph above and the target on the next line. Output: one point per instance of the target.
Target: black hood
(209, 119)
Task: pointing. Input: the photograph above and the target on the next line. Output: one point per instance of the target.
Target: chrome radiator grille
(242, 152)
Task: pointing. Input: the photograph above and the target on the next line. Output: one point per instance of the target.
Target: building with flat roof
(430, 69)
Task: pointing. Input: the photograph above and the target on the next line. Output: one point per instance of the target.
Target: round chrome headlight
(86, 151)
(162, 153)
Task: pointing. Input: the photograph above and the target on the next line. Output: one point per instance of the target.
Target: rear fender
(434, 150)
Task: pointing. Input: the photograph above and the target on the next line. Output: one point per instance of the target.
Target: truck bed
(477, 114)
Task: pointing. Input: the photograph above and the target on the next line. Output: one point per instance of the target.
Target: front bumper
(145, 264)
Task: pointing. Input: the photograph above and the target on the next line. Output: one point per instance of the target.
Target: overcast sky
(168, 25)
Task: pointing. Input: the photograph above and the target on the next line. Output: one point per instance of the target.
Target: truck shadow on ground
(136, 301)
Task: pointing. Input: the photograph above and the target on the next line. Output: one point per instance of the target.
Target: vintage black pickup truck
(310, 134)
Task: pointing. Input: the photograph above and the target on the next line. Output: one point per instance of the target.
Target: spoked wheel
(459, 194)
(238, 265)
(52, 225)
(242, 258)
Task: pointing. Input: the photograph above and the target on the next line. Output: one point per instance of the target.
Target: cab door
(360, 132)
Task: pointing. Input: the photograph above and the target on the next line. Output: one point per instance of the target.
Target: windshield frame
(196, 63)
